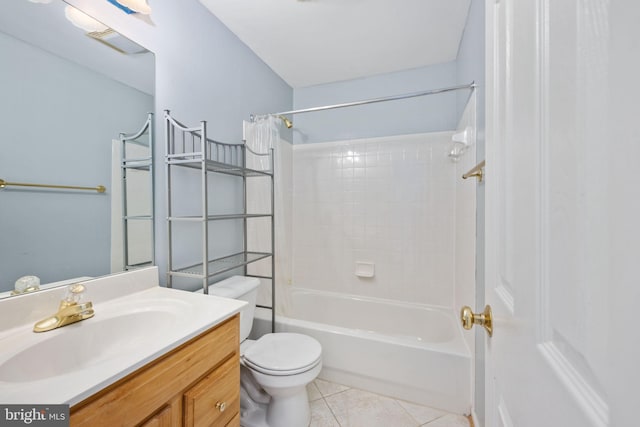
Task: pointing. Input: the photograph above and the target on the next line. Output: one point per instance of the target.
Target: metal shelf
(220, 265)
(188, 218)
(139, 265)
(214, 166)
(135, 165)
(138, 217)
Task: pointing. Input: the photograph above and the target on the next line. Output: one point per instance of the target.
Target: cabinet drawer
(214, 400)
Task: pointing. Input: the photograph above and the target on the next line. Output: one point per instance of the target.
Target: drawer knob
(221, 406)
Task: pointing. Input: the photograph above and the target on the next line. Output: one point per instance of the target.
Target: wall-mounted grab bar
(99, 188)
(477, 171)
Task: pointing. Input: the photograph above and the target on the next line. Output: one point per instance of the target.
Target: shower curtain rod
(471, 85)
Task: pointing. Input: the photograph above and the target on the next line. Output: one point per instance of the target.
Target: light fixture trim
(139, 6)
(122, 7)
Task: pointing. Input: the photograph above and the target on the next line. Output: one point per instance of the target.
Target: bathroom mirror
(66, 98)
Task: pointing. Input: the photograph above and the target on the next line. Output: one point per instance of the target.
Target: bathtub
(407, 351)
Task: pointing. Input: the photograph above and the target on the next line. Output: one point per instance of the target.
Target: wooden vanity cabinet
(196, 384)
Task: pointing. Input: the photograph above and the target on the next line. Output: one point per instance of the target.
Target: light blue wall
(203, 72)
(422, 114)
(471, 66)
(58, 123)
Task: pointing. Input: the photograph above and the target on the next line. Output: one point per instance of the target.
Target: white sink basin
(68, 364)
(86, 344)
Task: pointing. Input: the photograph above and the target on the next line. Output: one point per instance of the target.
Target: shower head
(288, 123)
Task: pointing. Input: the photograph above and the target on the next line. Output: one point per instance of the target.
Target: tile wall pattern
(390, 201)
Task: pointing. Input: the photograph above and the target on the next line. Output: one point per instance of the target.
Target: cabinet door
(235, 421)
(214, 400)
(170, 415)
(163, 418)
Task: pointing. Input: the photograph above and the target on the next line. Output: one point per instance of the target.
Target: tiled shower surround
(389, 201)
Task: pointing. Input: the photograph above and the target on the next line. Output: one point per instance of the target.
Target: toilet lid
(283, 354)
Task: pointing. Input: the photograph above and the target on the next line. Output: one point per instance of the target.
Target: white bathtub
(407, 351)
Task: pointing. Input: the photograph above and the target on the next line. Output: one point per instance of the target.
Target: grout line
(333, 414)
(313, 384)
(435, 419)
(408, 413)
(334, 393)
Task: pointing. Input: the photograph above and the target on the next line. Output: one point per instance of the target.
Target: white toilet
(275, 369)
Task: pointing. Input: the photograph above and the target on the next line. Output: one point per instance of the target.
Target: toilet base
(254, 417)
(253, 401)
(289, 411)
(287, 407)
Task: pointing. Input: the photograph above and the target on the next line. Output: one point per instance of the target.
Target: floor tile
(422, 414)
(449, 420)
(336, 405)
(358, 408)
(313, 392)
(328, 388)
(321, 415)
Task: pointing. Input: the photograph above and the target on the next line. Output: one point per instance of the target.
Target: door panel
(573, 200)
(546, 213)
(623, 154)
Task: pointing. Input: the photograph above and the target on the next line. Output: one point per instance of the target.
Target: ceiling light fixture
(82, 20)
(117, 42)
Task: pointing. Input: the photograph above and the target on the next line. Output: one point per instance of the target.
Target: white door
(562, 199)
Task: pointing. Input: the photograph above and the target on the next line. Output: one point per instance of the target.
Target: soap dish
(365, 269)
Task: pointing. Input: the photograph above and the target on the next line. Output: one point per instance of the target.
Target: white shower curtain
(261, 136)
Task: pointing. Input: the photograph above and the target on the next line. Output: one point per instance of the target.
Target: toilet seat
(283, 353)
(281, 372)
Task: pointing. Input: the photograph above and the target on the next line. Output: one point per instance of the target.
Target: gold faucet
(70, 311)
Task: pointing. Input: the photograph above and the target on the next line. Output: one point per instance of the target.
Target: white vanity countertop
(69, 364)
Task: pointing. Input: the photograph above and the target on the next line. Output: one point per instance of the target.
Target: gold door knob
(484, 319)
(221, 406)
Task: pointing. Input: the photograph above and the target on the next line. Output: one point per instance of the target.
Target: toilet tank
(241, 288)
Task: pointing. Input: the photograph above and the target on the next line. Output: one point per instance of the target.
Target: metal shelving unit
(189, 147)
(142, 140)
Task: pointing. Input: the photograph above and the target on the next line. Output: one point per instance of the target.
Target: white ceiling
(310, 42)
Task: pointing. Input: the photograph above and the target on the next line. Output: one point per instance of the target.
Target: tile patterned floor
(335, 405)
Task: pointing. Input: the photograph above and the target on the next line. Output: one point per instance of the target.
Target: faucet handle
(74, 293)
